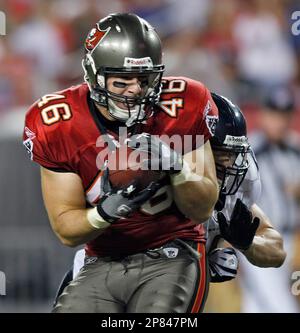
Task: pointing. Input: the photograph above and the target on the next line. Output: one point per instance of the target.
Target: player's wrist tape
(185, 175)
(96, 220)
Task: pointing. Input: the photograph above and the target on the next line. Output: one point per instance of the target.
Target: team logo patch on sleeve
(29, 133)
(211, 120)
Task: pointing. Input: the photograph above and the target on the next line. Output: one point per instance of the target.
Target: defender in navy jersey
(236, 217)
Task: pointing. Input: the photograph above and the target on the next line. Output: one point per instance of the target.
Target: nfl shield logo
(171, 252)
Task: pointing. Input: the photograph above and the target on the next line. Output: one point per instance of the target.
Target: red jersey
(61, 134)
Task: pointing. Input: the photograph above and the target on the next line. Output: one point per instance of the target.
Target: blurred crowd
(242, 49)
(239, 48)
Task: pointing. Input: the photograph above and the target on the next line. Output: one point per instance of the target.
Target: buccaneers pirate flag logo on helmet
(94, 37)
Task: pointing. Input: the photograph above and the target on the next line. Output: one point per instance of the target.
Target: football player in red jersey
(236, 217)
(145, 248)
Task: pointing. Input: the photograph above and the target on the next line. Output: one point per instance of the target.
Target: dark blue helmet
(230, 137)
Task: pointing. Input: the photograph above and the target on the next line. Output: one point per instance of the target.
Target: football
(126, 167)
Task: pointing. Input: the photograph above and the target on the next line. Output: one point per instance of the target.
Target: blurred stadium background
(239, 48)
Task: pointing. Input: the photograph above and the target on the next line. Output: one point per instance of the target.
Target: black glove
(161, 157)
(115, 203)
(241, 228)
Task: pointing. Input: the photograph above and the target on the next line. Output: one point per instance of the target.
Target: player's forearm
(196, 199)
(266, 249)
(195, 188)
(73, 227)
